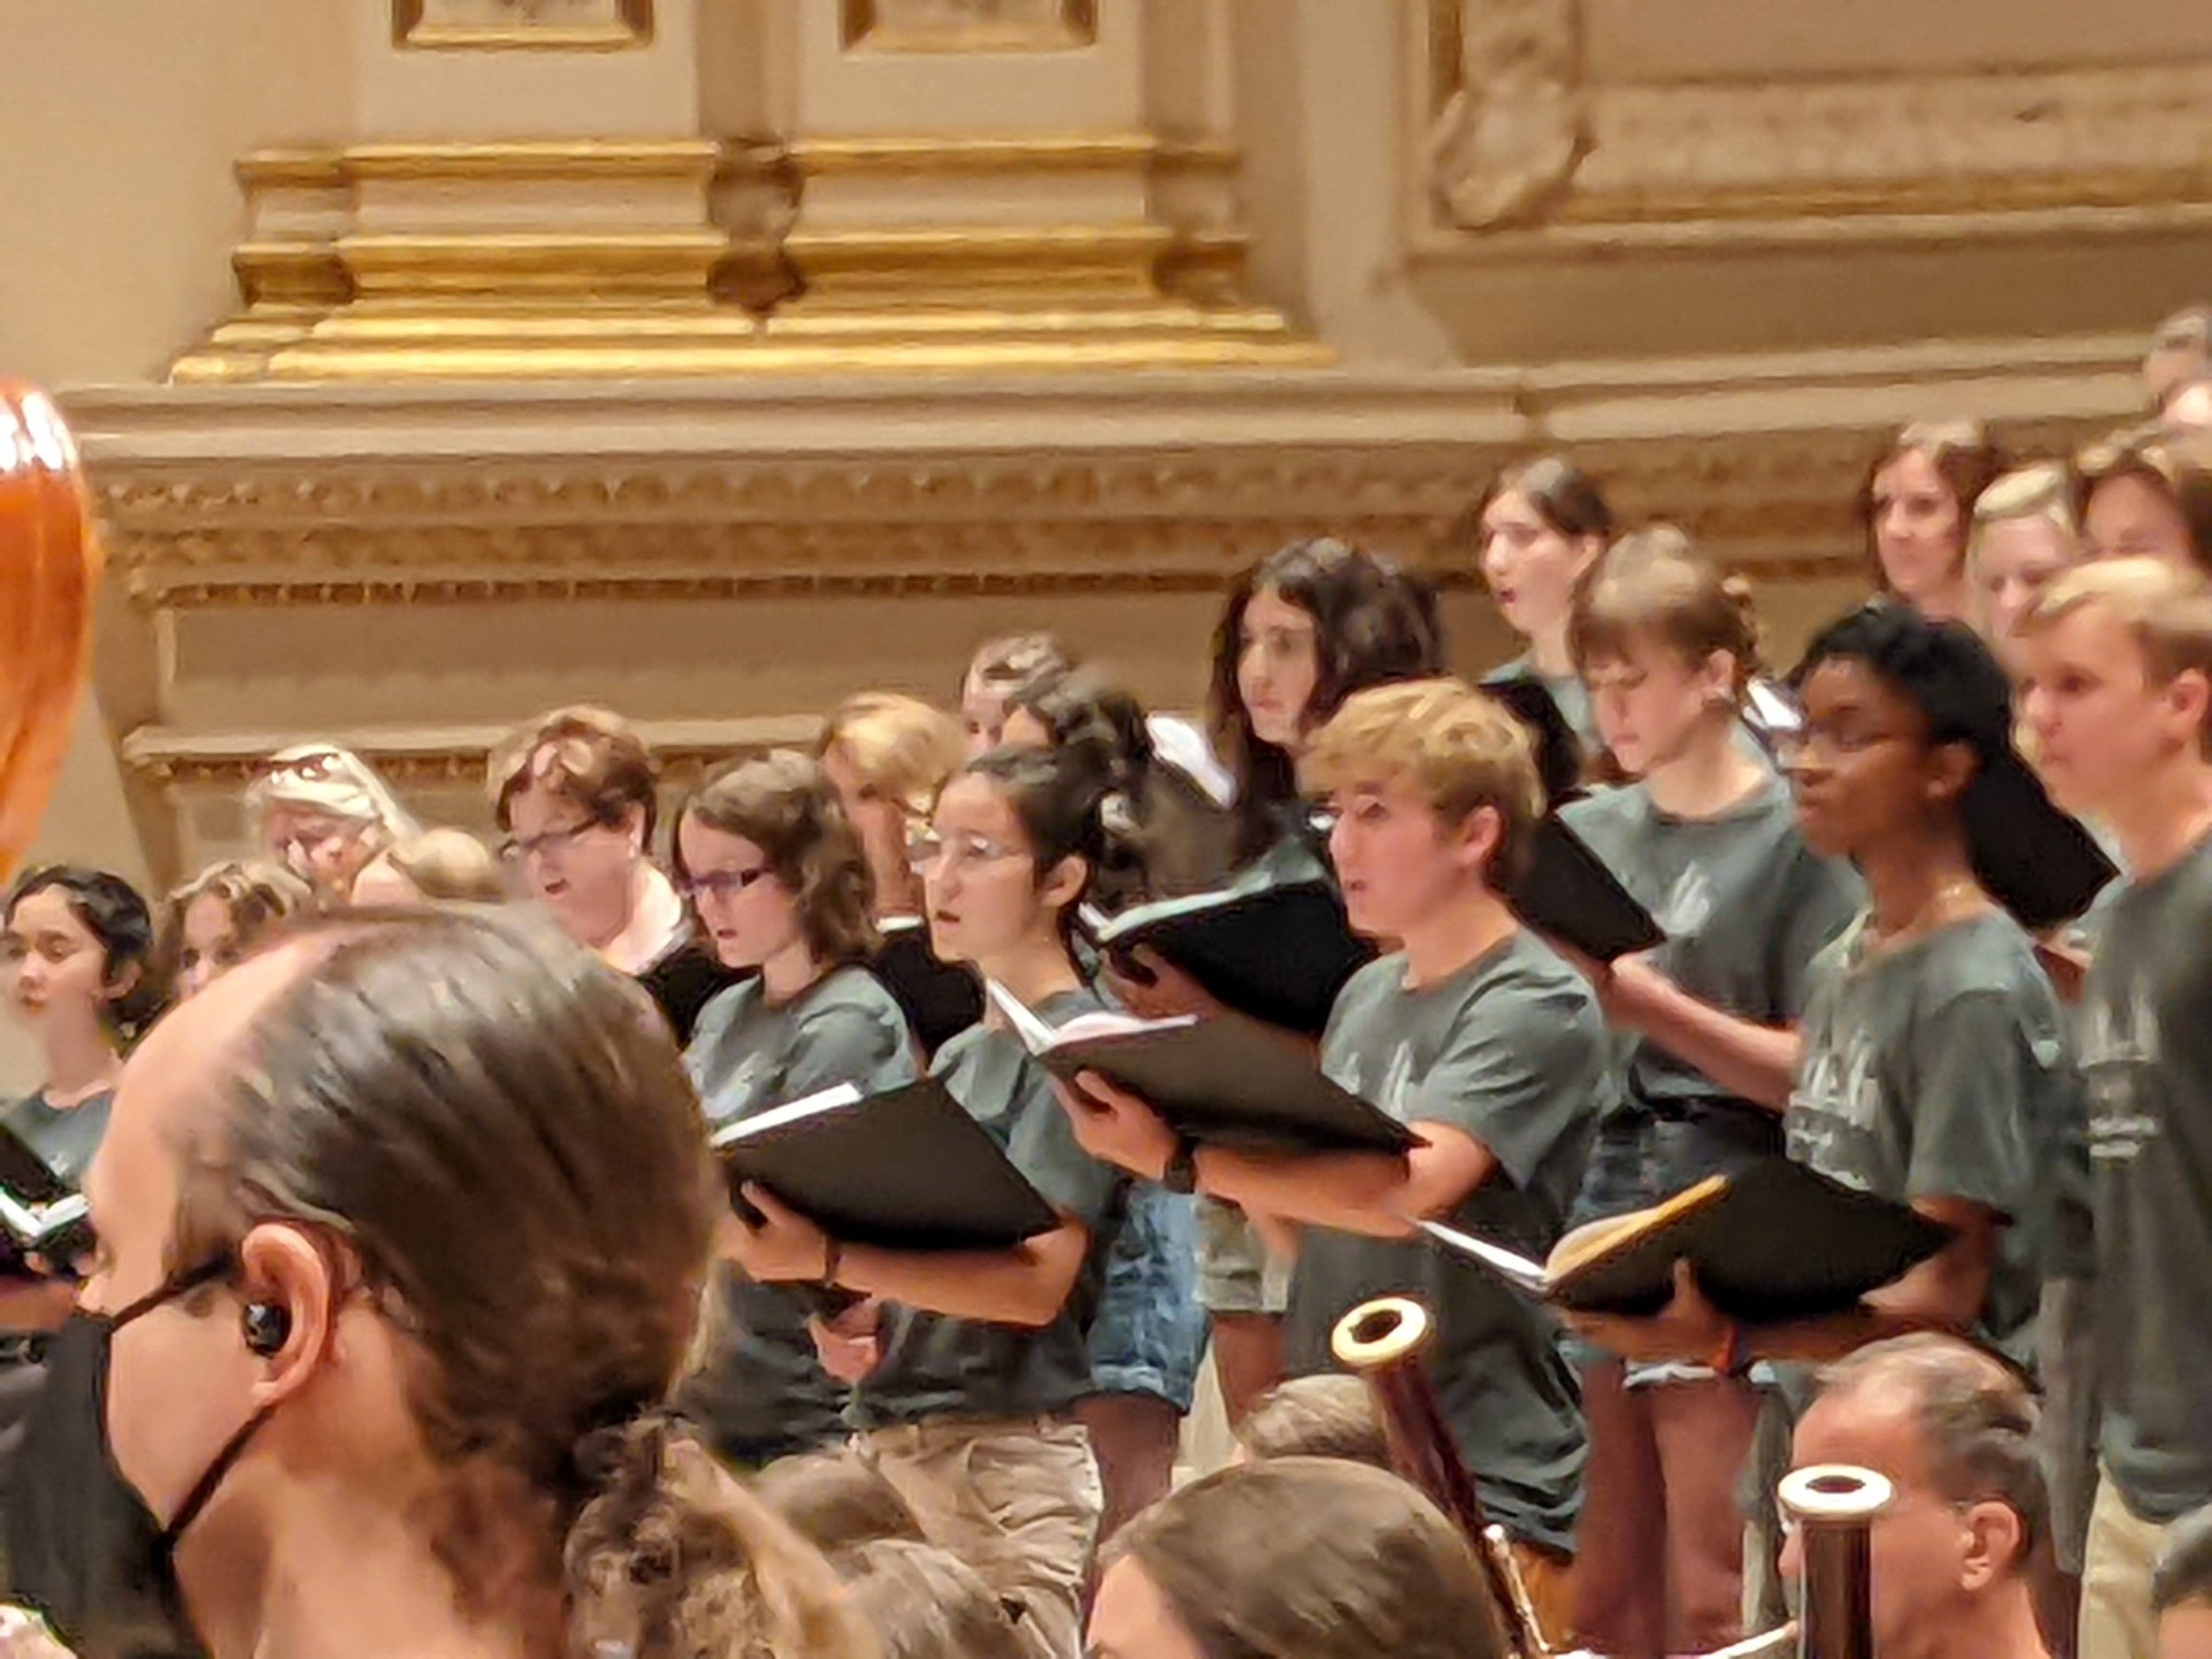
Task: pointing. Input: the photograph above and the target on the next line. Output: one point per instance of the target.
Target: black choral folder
(906, 1170)
(40, 1213)
(1277, 954)
(1773, 1242)
(1569, 894)
(1558, 750)
(1223, 1081)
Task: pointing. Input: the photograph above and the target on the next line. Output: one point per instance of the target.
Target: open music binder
(907, 1169)
(1773, 1242)
(1225, 1081)
(40, 1213)
(1278, 954)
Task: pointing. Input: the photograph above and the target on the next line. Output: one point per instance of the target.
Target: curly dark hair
(115, 913)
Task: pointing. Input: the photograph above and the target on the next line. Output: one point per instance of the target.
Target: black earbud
(268, 1328)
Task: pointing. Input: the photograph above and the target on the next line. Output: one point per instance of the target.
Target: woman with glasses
(323, 813)
(969, 1367)
(774, 871)
(576, 795)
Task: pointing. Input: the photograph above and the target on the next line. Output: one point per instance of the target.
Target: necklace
(1919, 922)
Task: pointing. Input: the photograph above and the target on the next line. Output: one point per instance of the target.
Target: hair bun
(623, 1442)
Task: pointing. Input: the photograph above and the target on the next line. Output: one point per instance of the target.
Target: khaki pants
(1018, 1501)
(2115, 1587)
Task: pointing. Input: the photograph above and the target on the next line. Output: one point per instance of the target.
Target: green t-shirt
(1943, 1068)
(65, 1140)
(1511, 1050)
(935, 1366)
(2146, 1050)
(759, 1390)
(1747, 906)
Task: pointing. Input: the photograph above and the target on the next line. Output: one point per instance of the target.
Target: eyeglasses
(319, 766)
(928, 850)
(515, 848)
(719, 883)
(1794, 749)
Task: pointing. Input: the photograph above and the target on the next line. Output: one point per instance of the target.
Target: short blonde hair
(2043, 490)
(447, 866)
(2166, 612)
(903, 749)
(1457, 749)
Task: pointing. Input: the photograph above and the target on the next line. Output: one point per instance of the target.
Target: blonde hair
(447, 866)
(1458, 750)
(2166, 612)
(1003, 667)
(258, 896)
(1655, 583)
(903, 748)
(329, 779)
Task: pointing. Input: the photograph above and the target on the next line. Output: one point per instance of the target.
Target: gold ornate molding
(1520, 155)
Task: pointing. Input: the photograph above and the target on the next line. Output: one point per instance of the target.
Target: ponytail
(668, 1557)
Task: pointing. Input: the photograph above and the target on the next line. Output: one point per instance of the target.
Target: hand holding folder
(41, 1215)
(1775, 1242)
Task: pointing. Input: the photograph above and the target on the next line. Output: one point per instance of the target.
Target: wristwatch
(1181, 1175)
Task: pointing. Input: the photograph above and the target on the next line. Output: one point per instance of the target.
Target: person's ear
(1716, 678)
(632, 826)
(2188, 699)
(1064, 882)
(1994, 1544)
(1951, 767)
(1475, 839)
(123, 980)
(291, 1295)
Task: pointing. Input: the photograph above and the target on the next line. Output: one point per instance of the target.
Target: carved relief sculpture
(969, 25)
(484, 24)
(1516, 125)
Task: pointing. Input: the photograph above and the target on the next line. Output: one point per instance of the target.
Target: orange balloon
(49, 572)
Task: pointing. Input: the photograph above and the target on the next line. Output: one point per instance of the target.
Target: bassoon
(1382, 1341)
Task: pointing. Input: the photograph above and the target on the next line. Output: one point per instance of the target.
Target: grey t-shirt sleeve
(845, 1043)
(1043, 1148)
(1977, 1065)
(1519, 1077)
(1818, 900)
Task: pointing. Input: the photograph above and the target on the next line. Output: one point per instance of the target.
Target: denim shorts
(1641, 1157)
(1149, 1329)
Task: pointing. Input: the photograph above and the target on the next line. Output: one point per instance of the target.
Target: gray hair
(1977, 1418)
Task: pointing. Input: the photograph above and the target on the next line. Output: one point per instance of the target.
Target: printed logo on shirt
(1834, 1109)
(2120, 1042)
(1688, 905)
(1396, 1095)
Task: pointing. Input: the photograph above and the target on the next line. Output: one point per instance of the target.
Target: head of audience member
(836, 1502)
(2180, 352)
(1953, 1429)
(1917, 504)
(221, 914)
(2119, 684)
(404, 1223)
(2149, 497)
(887, 755)
(439, 866)
(924, 1603)
(576, 795)
(83, 972)
(1328, 1415)
(322, 813)
(1435, 794)
(1667, 645)
(1294, 1558)
(2025, 534)
(1303, 629)
(999, 669)
(2181, 1588)
(1901, 715)
(775, 871)
(1543, 525)
(1007, 855)
(1163, 834)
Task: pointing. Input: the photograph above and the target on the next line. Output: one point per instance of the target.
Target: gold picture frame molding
(631, 27)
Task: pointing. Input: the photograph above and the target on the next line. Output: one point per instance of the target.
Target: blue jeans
(1149, 1329)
